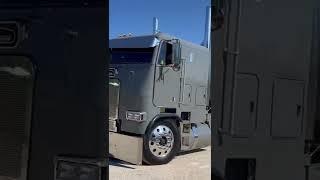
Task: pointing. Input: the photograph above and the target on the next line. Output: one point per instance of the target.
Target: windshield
(131, 55)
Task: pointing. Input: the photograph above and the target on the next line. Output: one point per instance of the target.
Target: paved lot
(190, 166)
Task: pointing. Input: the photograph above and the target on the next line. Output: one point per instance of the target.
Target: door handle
(298, 110)
(221, 132)
(251, 106)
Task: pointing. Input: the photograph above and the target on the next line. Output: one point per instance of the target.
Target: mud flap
(126, 148)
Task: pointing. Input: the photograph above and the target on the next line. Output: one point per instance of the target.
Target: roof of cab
(146, 41)
(134, 42)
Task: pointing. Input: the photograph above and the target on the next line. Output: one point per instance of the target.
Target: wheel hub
(161, 141)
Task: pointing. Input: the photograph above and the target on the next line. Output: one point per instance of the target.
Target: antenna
(155, 25)
(207, 33)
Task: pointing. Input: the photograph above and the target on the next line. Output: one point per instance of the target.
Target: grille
(114, 88)
(14, 96)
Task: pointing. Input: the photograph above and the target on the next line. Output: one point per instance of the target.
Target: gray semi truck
(52, 90)
(158, 97)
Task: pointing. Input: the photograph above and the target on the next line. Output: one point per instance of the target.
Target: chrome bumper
(112, 125)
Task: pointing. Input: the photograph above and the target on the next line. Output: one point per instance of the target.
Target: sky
(181, 18)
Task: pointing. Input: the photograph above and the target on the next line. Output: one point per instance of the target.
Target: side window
(166, 55)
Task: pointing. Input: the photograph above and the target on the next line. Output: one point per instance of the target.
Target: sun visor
(134, 42)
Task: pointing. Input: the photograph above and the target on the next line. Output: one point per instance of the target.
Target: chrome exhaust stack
(155, 25)
(207, 34)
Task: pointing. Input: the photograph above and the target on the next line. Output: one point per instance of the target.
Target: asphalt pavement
(195, 165)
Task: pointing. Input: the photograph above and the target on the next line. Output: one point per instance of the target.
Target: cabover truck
(158, 98)
(52, 90)
(266, 90)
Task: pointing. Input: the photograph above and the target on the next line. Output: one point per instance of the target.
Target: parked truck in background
(266, 90)
(158, 97)
(52, 90)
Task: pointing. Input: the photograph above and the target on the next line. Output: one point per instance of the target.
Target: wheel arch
(162, 116)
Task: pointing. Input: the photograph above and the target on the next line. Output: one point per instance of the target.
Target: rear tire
(161, 142)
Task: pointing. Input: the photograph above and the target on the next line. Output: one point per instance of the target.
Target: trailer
(158, 97)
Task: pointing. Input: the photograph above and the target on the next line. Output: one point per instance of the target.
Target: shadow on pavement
(119, 163)
(189, 152)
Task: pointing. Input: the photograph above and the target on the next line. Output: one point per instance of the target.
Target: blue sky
(182, 18)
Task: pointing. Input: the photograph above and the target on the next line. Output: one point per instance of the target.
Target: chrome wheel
(161, 141)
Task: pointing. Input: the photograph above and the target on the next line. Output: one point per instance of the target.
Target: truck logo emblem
(8, 34)
(112, 72)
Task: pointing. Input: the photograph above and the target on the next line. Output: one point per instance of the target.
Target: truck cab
(52, 90)
(158, 91)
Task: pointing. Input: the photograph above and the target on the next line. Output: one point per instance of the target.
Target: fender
(163, 116)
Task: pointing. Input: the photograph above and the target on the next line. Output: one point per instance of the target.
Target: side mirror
(176, 49)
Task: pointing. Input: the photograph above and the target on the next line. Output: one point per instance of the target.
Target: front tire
(161, 142)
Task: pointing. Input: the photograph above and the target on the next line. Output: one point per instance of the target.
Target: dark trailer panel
(53, 91)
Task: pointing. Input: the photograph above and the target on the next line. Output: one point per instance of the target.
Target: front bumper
(126, 148)
(113, 125)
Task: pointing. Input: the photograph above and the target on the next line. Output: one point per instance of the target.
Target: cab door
(167, 79)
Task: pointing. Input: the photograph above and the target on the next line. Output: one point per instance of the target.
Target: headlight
(114, 84)
(136, 116)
